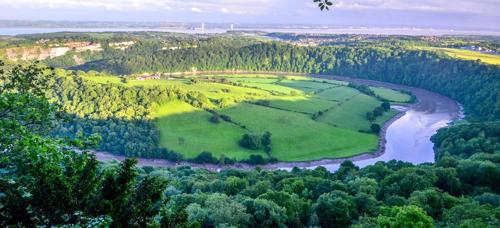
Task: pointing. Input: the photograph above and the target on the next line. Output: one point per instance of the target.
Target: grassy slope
(467, 54)
(310, 105)
(186, 129)
(338, 94)
(296, 136)
(351, 114)
(391, 95)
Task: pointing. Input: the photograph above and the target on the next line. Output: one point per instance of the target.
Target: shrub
(266, 141)
(251, 141)
(375, 128)
(215, 119)
(257, 160)
(226, 118)
(205, 157)
(263, 102)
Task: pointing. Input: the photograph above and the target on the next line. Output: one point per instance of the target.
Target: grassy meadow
(467, 54)
(281, 105)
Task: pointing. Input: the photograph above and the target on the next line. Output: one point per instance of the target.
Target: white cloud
(452, 6)
(220, 6)
(198, 10)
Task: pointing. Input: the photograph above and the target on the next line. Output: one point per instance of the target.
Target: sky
(484, 14)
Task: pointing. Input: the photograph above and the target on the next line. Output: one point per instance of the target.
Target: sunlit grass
(391, 95)
(187, 130)
(297, 137)
(288, 115)
(466, 54)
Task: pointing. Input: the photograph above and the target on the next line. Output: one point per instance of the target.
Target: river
(408, 138)
(405, 138)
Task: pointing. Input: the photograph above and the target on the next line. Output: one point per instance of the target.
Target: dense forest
(45, 183)
(120, 118)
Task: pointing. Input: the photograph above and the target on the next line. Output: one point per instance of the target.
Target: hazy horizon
(481, 14)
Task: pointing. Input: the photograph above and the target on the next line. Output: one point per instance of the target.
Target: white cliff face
(42, 53)
(59, 51)
(122, 45)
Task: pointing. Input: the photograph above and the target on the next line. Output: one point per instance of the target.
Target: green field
(467, 54)
(341, 131)
(186, 129)
(296, 137)
(351, 113)
(391, 95)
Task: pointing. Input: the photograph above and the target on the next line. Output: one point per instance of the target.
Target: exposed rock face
(42, 53)
(78, 60)
(122, 45)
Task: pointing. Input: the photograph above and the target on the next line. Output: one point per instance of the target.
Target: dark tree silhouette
(324, 4)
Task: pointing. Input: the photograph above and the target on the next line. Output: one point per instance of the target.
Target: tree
(408, 216)
(378, 111)
(366, 204)
(196, 214)
(234, 185)
(205, 157)
(266, 141)
(265, 213)
(405, 181)
(370, 117)
(346, 170)
(116, 191)
(375, 128)
(433, 202)
(223, 210)
(472, 215)
(251, 141)
(215, 119)
(363, 185)
(144, 204)
(256, 159)
(386, 105)
(335, 208)
(32, 79)
(297, 209)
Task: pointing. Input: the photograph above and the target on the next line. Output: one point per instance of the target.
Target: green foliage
(334, 208)
(205, 157)
(265, 213)
(42, 183)
(462, 141)
(251, 141)
(375, 128)
(409, 216)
